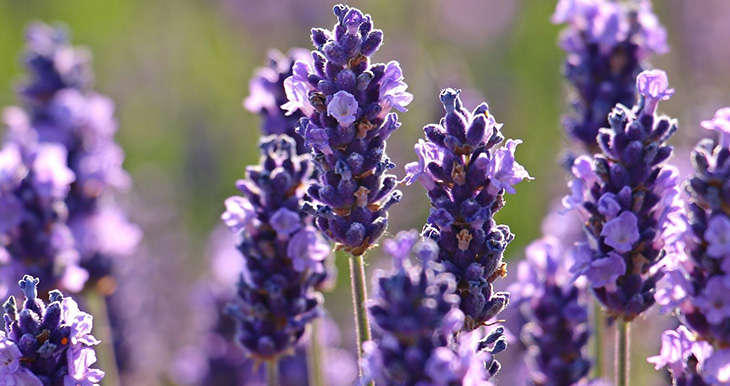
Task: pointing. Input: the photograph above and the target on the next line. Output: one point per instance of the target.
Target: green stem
(598, 323)
(96, 304)
(272, 373)
(359, 295)
(314, 357)
(622, 353)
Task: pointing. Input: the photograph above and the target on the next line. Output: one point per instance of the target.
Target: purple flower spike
(466, 173)
(85, 169)
(554, 308)
(653, 86)
(607, 43)
(721, 123)
(268, 94)
(415, 313)
(47, 344)
(284, 256)
(347, 102)
(698, 274)
(627, 197)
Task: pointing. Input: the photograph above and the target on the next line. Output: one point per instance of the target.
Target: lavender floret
(276, 297)
(346, 102)
(47, 344)
(466, 174)
(415, 318)
(607, 45)
(627, 196)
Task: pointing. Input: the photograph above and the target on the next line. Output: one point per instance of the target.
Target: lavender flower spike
(416, 315)
(698, 278)
(284, 255)
(607, 43)
(627, 197)
(63, 110)
(466, 174)
(267, 94)
(554, 306)
(34, 235)
(347, 102)
(47, 344)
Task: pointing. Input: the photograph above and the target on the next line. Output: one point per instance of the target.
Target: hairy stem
(598, 323)
(96, 303)
(272, 373)
(359, 296)
(622, 353)
(314, 357)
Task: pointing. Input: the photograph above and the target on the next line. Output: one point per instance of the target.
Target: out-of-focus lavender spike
(557, 330)
(627, 196)
(34, 236)
(698, 272)
(267, 95)
(64, 110)
(466, 173)
(607, 44)
(416, 317)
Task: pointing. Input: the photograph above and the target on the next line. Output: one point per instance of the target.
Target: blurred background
(178, 71)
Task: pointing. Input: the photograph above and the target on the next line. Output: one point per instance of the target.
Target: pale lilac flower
(714, 301)
(720, 123)
(504, 172)
(239, 214)
(603, 272)
(717, 236)
(343, 107)
(308, 249)
(393, 92)
(621, 232)
(653, 85)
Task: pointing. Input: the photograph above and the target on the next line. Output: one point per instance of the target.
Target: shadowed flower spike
(627, 197)
(557, 330)
(34, 236)
(47, 344)
(415, 314)
(698, 274)
(283, 253)
(607, 43)
(466, 173)
(347, 102)
(267, 94)
(63, 110)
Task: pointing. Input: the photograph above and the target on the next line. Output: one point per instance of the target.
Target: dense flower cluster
(34, 236)
(466, 175)
(607, 42)
(626, 195)
(46, 345)
(698, 277)
(267, 95)
(347, 103)
(62, 110)
(284, 255)
(416, 316)
(557, 332)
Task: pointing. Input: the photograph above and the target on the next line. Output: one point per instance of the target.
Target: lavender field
(415, 192)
